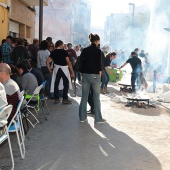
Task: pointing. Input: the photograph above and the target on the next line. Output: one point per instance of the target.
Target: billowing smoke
(157, 36)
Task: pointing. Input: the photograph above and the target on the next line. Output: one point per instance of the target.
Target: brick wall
(21, 13)
(26, 19)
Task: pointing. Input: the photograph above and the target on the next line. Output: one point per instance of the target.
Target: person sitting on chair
(28, 80)
(11, 88)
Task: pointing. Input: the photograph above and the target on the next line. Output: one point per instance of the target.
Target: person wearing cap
(6, 50)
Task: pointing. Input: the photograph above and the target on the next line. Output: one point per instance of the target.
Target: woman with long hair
(42, 56)
(91, 73)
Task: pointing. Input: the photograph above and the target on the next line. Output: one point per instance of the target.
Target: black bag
(79, 64)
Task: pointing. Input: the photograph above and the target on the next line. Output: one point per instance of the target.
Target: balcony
(34, 2)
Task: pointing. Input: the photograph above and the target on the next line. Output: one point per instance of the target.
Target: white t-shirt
(42, 56)
(78, 53)
(3, 99)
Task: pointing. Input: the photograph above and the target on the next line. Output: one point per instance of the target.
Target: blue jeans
(105, 79)
(136, 76)
(77, 75)
(94, 81)
(48, 78)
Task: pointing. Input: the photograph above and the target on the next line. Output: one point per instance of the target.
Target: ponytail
(93, 38)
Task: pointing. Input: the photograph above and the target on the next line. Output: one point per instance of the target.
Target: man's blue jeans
(105, 79)
(136, 77)
(94, 81)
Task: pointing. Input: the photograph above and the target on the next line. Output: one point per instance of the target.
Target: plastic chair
(17, 126)
(36, 95)
(4, 114)
(43, 99)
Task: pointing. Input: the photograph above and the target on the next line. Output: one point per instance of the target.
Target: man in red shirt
(71, 54)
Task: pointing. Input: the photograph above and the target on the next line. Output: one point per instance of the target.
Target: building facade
(4, 12)
(67, 20)
(19, 18)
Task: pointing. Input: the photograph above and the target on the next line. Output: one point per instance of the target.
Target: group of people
(25, 66)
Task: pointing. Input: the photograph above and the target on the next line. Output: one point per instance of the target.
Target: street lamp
(133, 12)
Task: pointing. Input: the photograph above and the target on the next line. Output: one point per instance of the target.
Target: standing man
(6, 50)
(60, 73)
(136, 65)
(71, 54)
(136, 50)
(20, 52)
(34, 48)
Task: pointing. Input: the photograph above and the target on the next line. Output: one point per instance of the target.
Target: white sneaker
(82, 121)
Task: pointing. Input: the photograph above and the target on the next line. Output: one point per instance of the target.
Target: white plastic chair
(43, 100)
(36, 95)
(17, 126)
(4, 114)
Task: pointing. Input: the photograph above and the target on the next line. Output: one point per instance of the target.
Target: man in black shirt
(136, 65)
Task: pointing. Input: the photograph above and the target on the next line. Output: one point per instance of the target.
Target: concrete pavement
(130, 140)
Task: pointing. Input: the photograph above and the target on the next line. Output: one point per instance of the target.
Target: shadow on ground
(63, 143)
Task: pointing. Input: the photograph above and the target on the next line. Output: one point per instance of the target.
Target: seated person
(15, 76)
(11, 88)
(3, 99)
(36, 72)
(28, 80)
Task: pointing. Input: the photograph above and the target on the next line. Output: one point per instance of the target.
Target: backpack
(79, 64)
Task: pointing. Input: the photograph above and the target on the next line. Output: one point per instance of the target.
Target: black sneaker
(57, 101)
(66, 101)
(90, 113)
(102, 121)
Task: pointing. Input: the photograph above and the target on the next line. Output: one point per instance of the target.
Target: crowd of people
(26, 66)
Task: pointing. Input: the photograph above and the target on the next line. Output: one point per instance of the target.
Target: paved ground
(130, 140)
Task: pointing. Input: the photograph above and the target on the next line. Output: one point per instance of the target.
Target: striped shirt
(13, 95)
